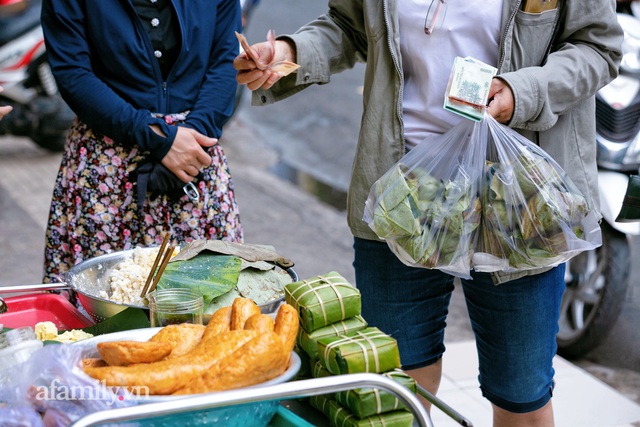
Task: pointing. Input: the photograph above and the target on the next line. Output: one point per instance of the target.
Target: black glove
(154, 178)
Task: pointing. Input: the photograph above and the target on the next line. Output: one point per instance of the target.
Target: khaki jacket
(554, 63)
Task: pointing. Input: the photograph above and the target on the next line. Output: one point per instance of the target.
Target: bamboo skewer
(145, 289)
(165, 260)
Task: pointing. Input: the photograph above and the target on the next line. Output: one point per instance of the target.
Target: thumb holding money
(253, 72)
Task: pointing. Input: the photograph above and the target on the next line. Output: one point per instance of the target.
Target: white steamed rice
(128, 277)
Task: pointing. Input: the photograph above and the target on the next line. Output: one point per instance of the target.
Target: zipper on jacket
(385, 9)
(504, 34)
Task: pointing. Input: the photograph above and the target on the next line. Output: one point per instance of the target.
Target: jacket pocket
(532, 37)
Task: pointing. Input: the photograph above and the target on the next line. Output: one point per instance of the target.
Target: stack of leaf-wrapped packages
(335, 339)
(482, 197)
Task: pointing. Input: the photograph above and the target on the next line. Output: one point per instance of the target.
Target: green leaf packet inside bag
(323, 300)
(368, 350)
(308, 341)
(340, 416)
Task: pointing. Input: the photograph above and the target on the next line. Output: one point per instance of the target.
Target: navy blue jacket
(107, 73)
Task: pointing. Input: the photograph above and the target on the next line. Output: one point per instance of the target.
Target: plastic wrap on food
(53, 384)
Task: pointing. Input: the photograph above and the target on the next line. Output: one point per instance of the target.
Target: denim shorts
(515, 323)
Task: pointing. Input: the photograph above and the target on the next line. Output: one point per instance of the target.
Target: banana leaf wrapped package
(306, 364)
(308, 341)
(367, 401)
(341, 417)
(323, 300)
(533, 214)
(427, 207)
(368, 350)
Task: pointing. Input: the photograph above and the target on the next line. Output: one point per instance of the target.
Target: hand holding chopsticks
(162, 258)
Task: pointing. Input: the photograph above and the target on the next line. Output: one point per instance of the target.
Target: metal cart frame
(289, 390)
(292, 389)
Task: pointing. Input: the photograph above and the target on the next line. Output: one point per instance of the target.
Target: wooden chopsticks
(162, 258)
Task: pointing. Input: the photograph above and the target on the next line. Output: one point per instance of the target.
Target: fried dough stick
(260, 322)
(242, 309)
(287, 325)
(259, 359)
(124, 353)
(182, 338)
(220, 322)
(263, 358)
(170, 375)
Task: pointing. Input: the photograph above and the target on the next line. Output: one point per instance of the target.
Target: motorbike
(39, 113)
(598, 280)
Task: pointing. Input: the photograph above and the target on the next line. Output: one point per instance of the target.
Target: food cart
(279, 402)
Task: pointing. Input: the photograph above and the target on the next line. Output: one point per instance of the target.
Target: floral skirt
(94, 209)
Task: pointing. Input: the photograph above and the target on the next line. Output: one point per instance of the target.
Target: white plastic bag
(480, 196)
(533, 214)
(427, 206)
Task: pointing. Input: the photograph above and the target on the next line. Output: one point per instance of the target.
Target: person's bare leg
(429, 378)
(542, 417)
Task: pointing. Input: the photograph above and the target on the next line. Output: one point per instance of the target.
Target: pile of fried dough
(239, 347)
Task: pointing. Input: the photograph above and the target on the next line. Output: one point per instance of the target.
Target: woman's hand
(257, 76)
(186, 158)
(501, 101)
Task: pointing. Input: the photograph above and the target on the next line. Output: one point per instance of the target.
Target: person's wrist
(288, 47)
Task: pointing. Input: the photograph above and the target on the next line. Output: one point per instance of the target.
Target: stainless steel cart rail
(289, 390)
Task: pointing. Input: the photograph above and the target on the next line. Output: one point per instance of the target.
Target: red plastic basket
(27, 310)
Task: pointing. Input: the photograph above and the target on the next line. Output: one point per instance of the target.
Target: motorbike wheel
(597, 283)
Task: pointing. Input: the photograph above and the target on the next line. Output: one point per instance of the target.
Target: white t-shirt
(466, 28)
